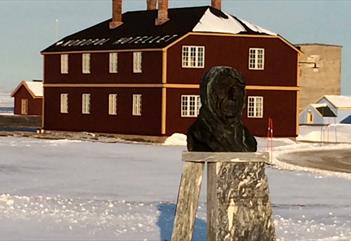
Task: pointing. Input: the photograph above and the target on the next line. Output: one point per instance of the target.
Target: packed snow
(77, 190)
(213, 23)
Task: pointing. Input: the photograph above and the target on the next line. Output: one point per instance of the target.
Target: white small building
(329, 109)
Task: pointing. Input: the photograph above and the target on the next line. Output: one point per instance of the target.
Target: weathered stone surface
(238, 203)
(225, 157)
(218, 127)
(188, 200)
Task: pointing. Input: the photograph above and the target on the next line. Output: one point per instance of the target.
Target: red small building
(28, 98)
(139, 73)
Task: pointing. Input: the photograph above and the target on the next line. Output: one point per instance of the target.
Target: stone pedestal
(238, 205)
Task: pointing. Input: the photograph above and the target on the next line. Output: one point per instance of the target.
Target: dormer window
(256, 58)
(193, 57)
(86, 63)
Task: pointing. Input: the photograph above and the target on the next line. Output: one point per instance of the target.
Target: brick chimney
(216, 4)
(116, 14)
(151, 4)
(162, 15)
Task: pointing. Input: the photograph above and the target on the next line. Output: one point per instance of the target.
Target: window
(113, 63)
(112, 104)
(64, 63)
(64, 103)
(255, 107)
(309, 117)
(193, 57)
(137, 62)
(136, 105)
(190, 105)
(256, 58)
(86, 63)
(85, 103)
(24, 106)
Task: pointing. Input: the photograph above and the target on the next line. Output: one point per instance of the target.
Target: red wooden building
(28, 98)
(139, 73)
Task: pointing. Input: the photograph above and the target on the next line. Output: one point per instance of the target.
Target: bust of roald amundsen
(219, 127)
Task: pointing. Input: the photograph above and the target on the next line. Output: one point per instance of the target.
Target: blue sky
(29, 26)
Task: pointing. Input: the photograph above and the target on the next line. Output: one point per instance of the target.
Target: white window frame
(256, 58)
(193, 56)
(137, 62)
(64, 63)
(190, 105)
(112, 104)
(86, 98)
(113, 62)
(64, 103)
(255, 106)
(86, 63)
(137, 105)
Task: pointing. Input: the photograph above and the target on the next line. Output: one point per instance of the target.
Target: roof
(139, 31)
(319, 44)
(325, 111)
(35, 88)
(339, 101)
(347, 120)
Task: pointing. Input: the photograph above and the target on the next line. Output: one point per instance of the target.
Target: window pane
(64, 103)
(137, 105)
(113, 62)
(64, 63)
(86, 103)
(86, 63)
(137, 62)
(112, 104)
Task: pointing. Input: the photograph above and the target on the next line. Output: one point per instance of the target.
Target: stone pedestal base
(238, 205)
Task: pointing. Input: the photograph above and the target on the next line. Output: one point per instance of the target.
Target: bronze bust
(219, 127)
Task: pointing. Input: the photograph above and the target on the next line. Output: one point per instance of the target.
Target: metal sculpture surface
(219, 127)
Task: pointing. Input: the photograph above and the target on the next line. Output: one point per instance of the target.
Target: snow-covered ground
(76, 190)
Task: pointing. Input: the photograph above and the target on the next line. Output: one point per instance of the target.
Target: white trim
(190, 105)
(86, 63)
(256, 58)
(112, 104)
(192, 57)
(64, 103)
(64, 63)
(255, 107)
(137, 105)
(85, 103)
(137, 62)
(113, 62)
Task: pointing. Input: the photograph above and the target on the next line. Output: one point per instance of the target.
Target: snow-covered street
(76, 190)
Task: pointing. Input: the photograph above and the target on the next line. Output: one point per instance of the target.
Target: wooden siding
(99, 71)
(149, 123)
(280, 67)
(34, 104)
(278, 105)
(283, 114)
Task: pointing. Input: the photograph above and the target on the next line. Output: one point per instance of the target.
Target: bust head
(222, 93)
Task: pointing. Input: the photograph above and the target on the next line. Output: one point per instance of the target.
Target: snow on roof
(226, 24)
(339, 101)
(139, 31)
(319, 105)
(35, 88)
